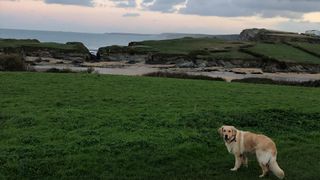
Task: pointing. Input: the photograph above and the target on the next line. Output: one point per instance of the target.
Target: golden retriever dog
(241, 142)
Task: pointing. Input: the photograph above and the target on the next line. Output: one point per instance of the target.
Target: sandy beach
(140, 69)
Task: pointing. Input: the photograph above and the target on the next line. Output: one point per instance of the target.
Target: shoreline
(142, 69)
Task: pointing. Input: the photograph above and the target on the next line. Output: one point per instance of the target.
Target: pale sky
(160, 16)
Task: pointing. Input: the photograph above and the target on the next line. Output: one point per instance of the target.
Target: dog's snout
(226, 136)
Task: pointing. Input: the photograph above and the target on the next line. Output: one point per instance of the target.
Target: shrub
(199, 52)
(90, 70)
(182, 76)
(56, 70)
(12, 62)
(315, 83)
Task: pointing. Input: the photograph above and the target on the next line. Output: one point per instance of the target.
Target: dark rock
(185, 64)
(38, 60)
(123, 53)
(131, 62)
(160, 58)
(68, 51)
(76, 62)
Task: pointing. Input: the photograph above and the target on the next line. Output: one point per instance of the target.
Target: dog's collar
(234, 139)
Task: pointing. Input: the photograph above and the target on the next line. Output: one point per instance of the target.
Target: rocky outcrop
(124, 57)
(185, 61)
(51, 53)
(73, 51)
(76, 52)
(266, 35)
(211, 55)
(266, 66)
(250, 34)
(130, 54)
(161, 58)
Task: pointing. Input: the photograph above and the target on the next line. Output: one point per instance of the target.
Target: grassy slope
(15, 43)
(281, 52)
(186, 45)
(315, 48)
(285, 53)
(78, 125)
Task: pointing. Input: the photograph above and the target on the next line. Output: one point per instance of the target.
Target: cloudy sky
(157, 16)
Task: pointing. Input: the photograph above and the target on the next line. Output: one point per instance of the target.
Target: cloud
(266, 8)
(125, 3)
(297, 25)
(163, 5)
(70, 2)
(236, 8)
(131, 15)
(292, 9)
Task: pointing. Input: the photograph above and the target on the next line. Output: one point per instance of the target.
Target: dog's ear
(220, 131)
(234, 131)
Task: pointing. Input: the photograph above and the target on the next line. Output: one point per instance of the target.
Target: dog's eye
(229, 131)
(224, 130)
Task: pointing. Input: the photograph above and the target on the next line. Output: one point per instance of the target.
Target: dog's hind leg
(244, 160)
(263, 158)
(265, 170)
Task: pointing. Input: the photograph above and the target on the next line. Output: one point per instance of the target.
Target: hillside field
(215, 49)
(286, 53)
(89, 126)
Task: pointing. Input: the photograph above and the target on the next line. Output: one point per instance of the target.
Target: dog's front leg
(238, 161)
(244, 160)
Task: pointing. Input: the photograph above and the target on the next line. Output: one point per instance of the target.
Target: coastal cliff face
(131, 54)
(161, 58)
(271, 51)
(188, 61)
(272, 66)
(266, 35)
(72, 51)
(270, 56)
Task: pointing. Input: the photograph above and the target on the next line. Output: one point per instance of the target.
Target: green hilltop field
(89, 126)
(212, 48)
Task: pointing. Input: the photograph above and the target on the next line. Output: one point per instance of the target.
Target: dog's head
(228, 133)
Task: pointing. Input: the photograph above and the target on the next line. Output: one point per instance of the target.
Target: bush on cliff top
(12, 62)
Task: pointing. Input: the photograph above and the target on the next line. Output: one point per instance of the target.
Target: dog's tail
(274, 167)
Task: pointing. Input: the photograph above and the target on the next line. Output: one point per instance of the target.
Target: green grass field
(231, 49)
(314, 48)
(81, 126)
(206, 48)
(186, 45)
(286, 53)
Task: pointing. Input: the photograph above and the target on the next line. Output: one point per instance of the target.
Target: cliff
(265, 35)
(73, 51)
(273, 55)
(131, 54)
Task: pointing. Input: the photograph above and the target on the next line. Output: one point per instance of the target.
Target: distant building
(313, 32)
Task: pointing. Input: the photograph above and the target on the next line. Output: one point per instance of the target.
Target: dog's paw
(261, 176)
(234, 169)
